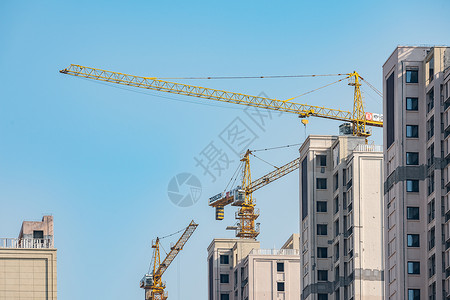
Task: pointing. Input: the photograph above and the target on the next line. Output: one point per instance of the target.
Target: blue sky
(100, 158)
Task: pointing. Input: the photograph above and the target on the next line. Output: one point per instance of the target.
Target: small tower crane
(152, 283)
(242, 196)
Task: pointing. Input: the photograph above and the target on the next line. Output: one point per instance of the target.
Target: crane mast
(357, 118)
(242, 196)
(152, 283)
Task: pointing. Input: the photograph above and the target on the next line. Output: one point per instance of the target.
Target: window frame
(412, 136)
(410, 79)
(223, 276)
(322, 205)
(416, 154)
(413, 267)
(412, 217)
(414, 187)
(412, 100)
(319, 187)
(412, 244)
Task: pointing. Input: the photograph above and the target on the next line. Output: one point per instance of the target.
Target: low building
(28, 263)
(238, 269)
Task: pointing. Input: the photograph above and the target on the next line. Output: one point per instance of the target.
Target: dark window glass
(322, 252)
(413, 240)
(210, 279)
(322, 297)
(322, 229)
(390, 116)
(413, 267)
(430, 128)
(304, 188)
(38, 234)
(412, 213)
(224, 297)
(321, 183)
(430, 100)
(322, 275)
(280, 286)
(412, 131)
(412, 76)
(412, 104)
(413, 294)
(224, 260)
(412, 185)
(322, 160)
(224, 278)
(321, 206)
(280, 267)
(412, 158)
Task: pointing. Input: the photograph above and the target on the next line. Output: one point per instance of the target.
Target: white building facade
(239, 270)
(417, 182)
(341, 219)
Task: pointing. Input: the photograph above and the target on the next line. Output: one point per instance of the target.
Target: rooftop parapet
(12, 243)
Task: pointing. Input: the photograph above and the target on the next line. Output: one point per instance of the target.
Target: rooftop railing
(369, 148)
(26, 243)
(275, 252)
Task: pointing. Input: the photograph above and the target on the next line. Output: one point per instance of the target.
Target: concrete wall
(27, 274)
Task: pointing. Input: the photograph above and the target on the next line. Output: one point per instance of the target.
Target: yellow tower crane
(242, 196)
(358, 118)
(152, 283)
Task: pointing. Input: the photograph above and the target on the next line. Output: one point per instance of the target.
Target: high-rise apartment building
(341, 219)
(28, 263)
(239, 270)
(417, 182)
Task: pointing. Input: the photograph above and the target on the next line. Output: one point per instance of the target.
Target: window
(390, 109)
(412, 104)
(412, 158)
(322, 297)
(280, 286)
(413, 240)
(430, 128)
(413, 294)
(431, 210)
(412, 213)
(431, 238)
(224, 297)
(322, 252)
(431, 266)
(336, 181)
(224, 278)
(321, 183)
(38, 234)
(322, 275)
(336, 204)
(412, 185)
(413, 267)
(336, 228)
(280, 267)
(321, 206)
(412, 76)
(321, 160)
(224, 259)
(304, 181)
(322, 229)
(412, 131)
(430, 100)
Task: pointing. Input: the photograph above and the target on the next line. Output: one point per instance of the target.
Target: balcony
(447, 119)
(446, 174)
(447, 203)
(26, 243)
